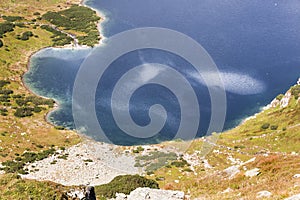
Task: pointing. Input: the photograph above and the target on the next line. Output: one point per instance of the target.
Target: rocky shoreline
(87, 163)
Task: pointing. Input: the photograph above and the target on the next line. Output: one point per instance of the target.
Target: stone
(151, 194)
(232, 171)
(296, 176)
(252, 172)
(121, 196)
(228, 190)
(263, 194)
(294, 197)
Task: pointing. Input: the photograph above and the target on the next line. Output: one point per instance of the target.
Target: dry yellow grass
(19, 134)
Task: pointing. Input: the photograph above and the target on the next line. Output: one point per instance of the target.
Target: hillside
(259, 157)
(261, 154)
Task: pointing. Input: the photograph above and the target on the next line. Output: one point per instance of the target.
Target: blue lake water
(255, 44)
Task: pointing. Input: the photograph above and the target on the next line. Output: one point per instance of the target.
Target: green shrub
(265, 126)
(155, 160)
(39, 146)
(53, 162)
(16, 96)
(76, 18)
(25, 36)
(6, 92)
(279, 97)
(59, 127)
(3, 83)
(64, 157)
(24, 112)
(239, 147)
(12, 18)
(295, 90)
(37, 109)
(18, 164)
(59, 38)
(124, 184)
(138, 149)
(187, 170)
(4, 98)
(21, 25)
(273, 127)
(181, 163)
(6, 27)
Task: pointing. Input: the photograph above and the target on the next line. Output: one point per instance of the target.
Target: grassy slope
(276, 153)
(246, 141)
(13, 63)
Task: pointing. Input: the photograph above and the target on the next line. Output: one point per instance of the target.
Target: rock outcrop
(152, 194)
(295, 197)
(283, 101)
(263, 194)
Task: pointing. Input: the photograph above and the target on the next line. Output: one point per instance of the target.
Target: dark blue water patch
(52, 74)
(255, 45)
(148, 95)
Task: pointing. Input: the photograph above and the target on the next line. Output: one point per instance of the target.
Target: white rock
(249, 161)
(228, 190)
(232, 171)
(121, 196)
(252, 172)
(155, 194)
(263, 194)
(296, 176)
(295, 197)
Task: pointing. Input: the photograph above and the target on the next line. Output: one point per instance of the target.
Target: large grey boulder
(232, 171)
(252, 172)
(152, 194)
(295, 197)
(263, 194)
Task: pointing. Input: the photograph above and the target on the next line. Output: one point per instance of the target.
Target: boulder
(232, 171)
(263, 194)
(296, 176)
(294, 197)
(252, 172)
(151, 194)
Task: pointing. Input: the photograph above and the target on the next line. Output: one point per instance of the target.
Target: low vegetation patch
(17, 165)
(23, 106)
(12, 18)
(13, 187)
(25, 36)
(295, 90)
(6, 27)
(155, 160)
(58, 38)
(124, 184)
(79, 19)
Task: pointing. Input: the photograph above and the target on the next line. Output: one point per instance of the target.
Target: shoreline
(70, 46)
(103, 168)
